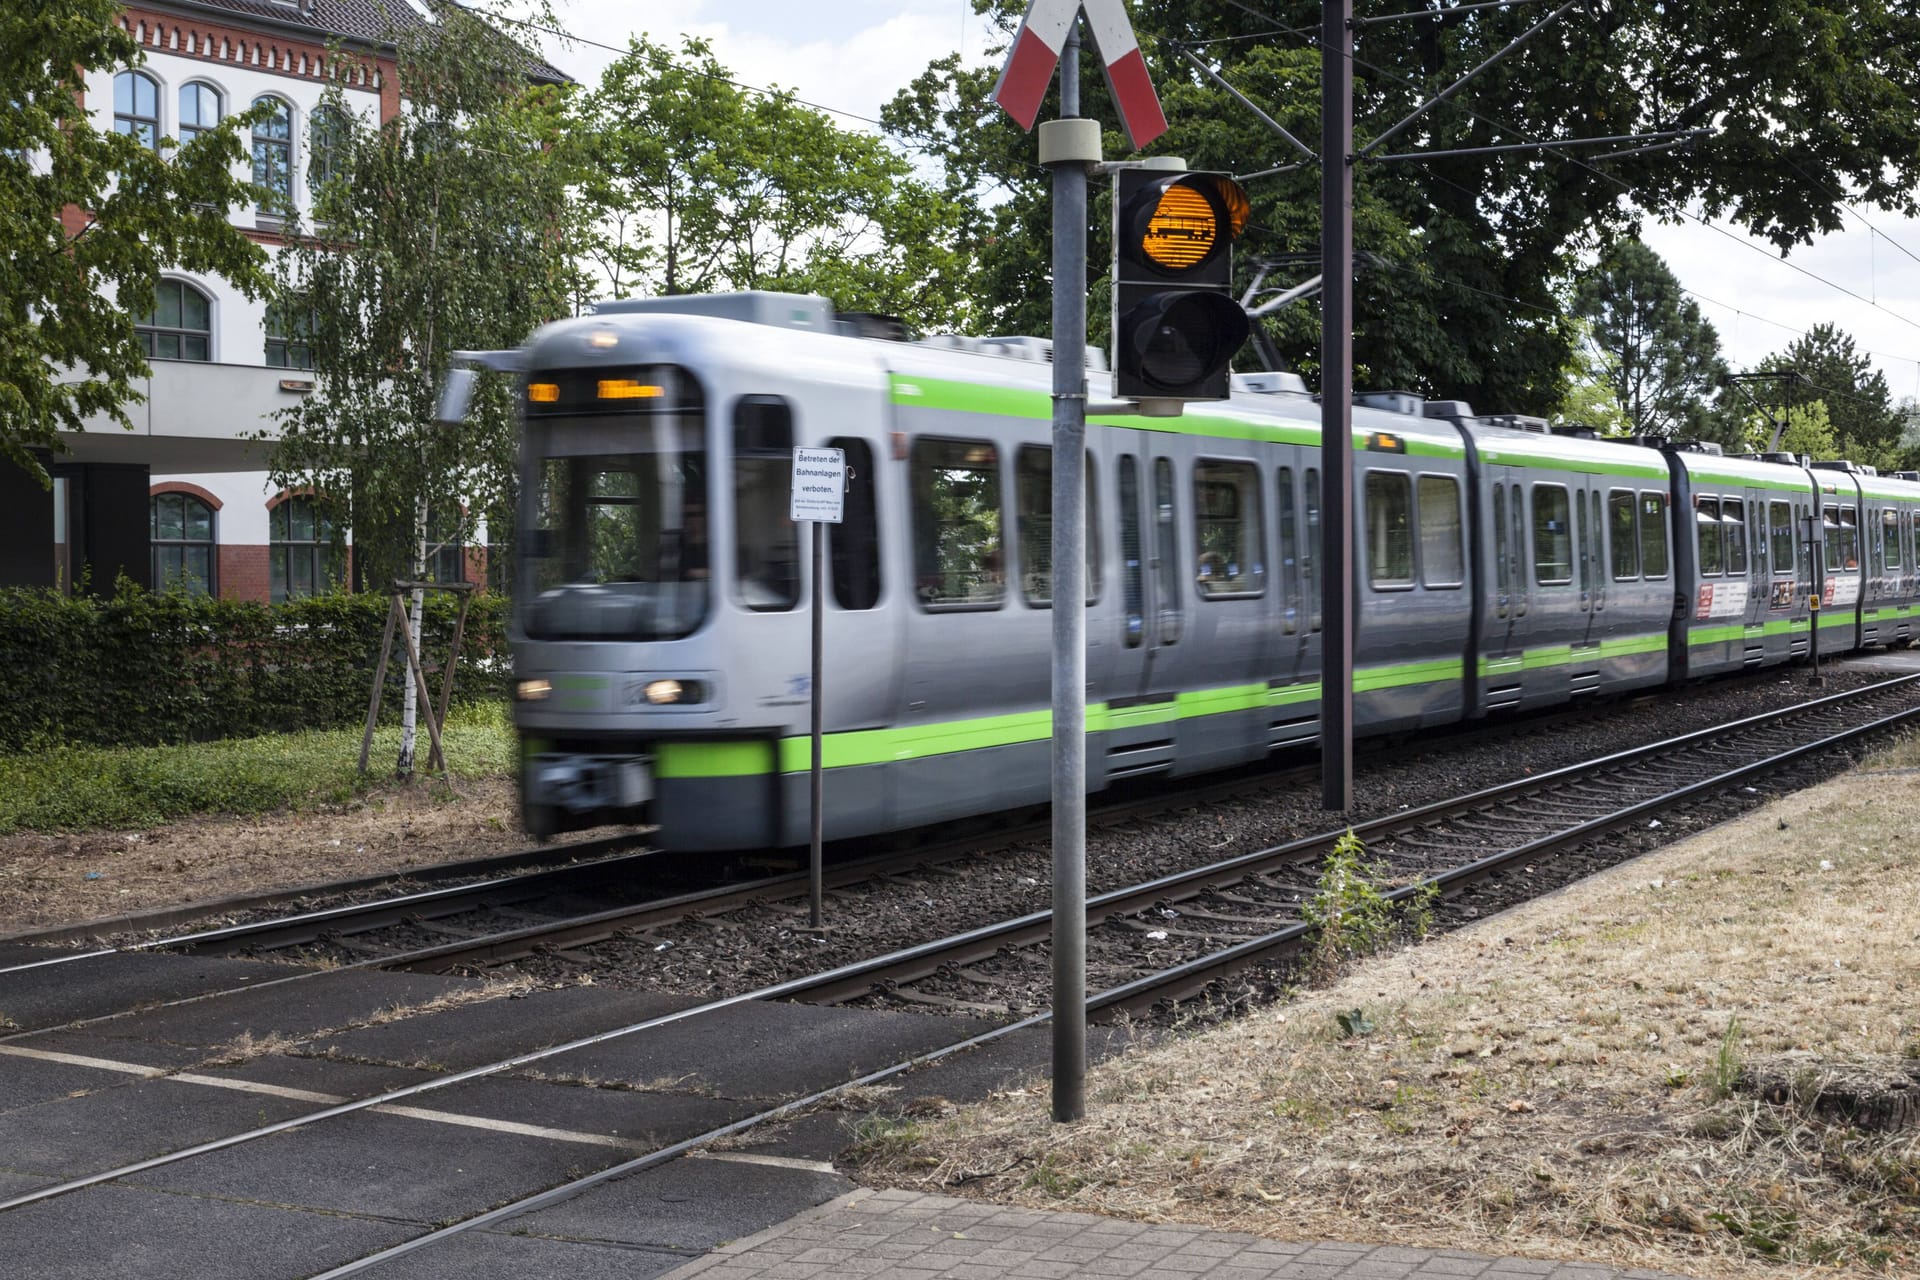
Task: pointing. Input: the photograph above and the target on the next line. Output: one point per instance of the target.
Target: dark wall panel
(26, 529)
(116, 520)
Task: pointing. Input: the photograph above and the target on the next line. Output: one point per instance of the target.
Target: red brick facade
(276, 53)
(181, 486)
(243, 573)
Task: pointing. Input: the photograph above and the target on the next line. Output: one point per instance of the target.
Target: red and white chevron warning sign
(1036, 52)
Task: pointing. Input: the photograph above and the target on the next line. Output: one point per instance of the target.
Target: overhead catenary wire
(1312, 38)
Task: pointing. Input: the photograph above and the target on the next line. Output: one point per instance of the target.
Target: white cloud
(851, 56)
(1759, 303)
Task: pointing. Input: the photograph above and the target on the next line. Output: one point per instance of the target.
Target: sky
(851, 56)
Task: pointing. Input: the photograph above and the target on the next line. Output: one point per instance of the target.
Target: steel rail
(1195, 975)
(913, 963)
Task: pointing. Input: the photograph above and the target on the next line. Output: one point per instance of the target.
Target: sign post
(1070, 149)
(818, 497)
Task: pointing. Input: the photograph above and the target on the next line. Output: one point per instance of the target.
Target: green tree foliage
(1867, 426)
(67, 309)
(1809, 432)
(700, 185)
(1587, 396)
(435, 233)
(1465, 253)
(1662, 359)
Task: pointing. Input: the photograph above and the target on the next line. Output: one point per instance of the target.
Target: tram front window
(616, 538)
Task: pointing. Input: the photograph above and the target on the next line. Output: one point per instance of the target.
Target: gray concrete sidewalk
(921, 1237)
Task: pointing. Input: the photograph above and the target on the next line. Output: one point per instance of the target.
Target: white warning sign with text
(819, 484)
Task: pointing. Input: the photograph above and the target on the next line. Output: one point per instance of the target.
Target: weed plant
(1350, 915)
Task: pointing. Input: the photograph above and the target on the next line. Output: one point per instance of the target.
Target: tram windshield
(614, 540)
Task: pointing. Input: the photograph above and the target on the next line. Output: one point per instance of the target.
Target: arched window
(182, 536)
(136, 107)
(199, 110)
(180, 326)
(289, 333)
(300, 558)
(326, 143)
(273, 155)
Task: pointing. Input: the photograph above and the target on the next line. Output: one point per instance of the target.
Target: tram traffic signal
(1176, 324)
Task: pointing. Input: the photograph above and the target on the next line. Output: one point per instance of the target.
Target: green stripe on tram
(1561, 655)
(944, 394)
(1726, 633)
(739, 759)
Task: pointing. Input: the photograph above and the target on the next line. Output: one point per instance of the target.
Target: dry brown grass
(55, 879)
(1552, 1082)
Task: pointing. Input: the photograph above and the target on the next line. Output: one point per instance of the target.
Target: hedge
(144, 668)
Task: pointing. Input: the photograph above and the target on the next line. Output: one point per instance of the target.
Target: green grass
(80, 788)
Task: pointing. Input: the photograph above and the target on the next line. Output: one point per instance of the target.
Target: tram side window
(1706, 521)
(1500, 578)
(766, 543)
(1733, 519)
(1653, 534)
(1389, 517)
(1780, 531)
(1310, 553)
(1166, 552)
(1621, 535)
(1033, 483)
(1830, 529)
(1131, 585)
(958, 557)
(1442, 547)
(853, 545)
(1849, 538)
(1584, 546)
(1289, 553)
(1228, 529)
(1517, 512)
(1599, 551)
(1552, 536)
(1890, 527)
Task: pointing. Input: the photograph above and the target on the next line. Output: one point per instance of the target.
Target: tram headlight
(533, 690)
(663, 693)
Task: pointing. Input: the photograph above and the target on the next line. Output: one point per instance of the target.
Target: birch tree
(438, 230)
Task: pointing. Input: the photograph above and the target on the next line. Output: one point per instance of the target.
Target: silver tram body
(661, 635)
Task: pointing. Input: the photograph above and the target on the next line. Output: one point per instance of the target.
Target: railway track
(495, 920)
(997, 969)
(1211, 921)
(1443, 848)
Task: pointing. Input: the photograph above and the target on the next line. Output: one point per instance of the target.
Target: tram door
(1838, 621)
(1297, 531)
(1590, 527)
(1506, 624)
(1152, 617)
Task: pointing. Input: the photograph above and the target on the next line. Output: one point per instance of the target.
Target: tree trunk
(410, 697)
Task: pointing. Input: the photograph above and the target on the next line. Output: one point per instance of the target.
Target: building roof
(367, 21)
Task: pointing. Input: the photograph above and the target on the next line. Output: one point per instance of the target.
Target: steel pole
(816, 789)
(1336, 404)
(1069, 613)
